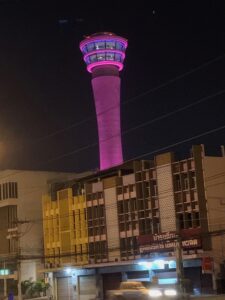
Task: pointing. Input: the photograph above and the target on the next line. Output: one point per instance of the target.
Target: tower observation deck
(104, 55)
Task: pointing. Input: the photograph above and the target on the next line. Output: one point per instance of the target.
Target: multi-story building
(21, 231)
(129, 222)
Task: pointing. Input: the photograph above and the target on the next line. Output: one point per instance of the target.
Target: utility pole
(5, 280)
(15, 234)
(179, 259)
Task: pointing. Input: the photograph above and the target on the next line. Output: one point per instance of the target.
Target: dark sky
(45, 88)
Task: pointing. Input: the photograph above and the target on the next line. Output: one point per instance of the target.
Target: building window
(133, 204)
(110, 45)
(192, 180)
(8, 190)
(153, 188)
(88, 197)
(181, 221)
(177, 183)
(119, 190)
(131, 187)
(196, 219)
(128, 246)
(185, 182)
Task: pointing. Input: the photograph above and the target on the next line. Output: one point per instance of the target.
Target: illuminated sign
(207, 264)
(168, 240)
(187, 244)
(4, 272)
(158, 264)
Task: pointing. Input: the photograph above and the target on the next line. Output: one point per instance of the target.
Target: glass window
(133, 204)
(91, 248)
(100, 195)
(93, 58)
(192, 180)
(126, 206)
(84, 49)
(185, 182)
(119, 46)
(131, 187)
(140, 204)
(120, 207)
(177, 183)
(99, 45)
(90, 47)
(89, 212)
(122, 226)
(119, 190)
(90, 231)
(101, 56)
(110, 45)
(101, 211)
(118, 57)
(110, 56)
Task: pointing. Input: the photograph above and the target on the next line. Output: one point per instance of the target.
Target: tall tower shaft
(104, 54)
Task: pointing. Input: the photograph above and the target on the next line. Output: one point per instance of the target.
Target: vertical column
(106, 91)
(165, 192)
(112, 223)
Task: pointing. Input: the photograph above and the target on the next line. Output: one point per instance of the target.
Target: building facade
(21, 231)
(128, 222)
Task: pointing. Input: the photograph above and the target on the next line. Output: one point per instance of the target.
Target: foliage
(33, 289)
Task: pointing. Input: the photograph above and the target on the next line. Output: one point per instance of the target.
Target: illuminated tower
(104, 54)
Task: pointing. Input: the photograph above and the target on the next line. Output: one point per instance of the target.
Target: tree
(34, 289)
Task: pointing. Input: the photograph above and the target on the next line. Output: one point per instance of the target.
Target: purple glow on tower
(104, 54)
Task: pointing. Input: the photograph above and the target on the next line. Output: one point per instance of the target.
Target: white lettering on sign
(169, 245)
(164, 236)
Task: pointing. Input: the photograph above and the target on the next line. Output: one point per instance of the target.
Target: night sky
(47, 114)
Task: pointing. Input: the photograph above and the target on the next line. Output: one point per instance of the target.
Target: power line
(141, 125)
(180, 142)
(154, 89)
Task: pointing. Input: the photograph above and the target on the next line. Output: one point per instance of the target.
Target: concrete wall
(214, 175)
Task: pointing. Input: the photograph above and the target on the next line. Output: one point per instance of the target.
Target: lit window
(118, 57)
(93, 58)
(110, 45)
(90, 47)
(109, 56)
(99, 45)
(119, 46)
(101, 56)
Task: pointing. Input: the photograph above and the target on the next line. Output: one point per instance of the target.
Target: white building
(21, 231)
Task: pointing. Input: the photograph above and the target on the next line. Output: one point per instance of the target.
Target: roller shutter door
(87, 287)
(65, 289)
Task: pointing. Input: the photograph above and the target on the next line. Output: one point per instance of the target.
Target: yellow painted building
(65, 229)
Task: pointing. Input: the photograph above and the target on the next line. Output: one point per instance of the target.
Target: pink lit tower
(104, 54)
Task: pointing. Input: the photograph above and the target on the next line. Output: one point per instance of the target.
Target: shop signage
(207, 264)
(187, 244)
(168, 240)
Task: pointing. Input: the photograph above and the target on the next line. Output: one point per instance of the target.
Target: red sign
(207, 264)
